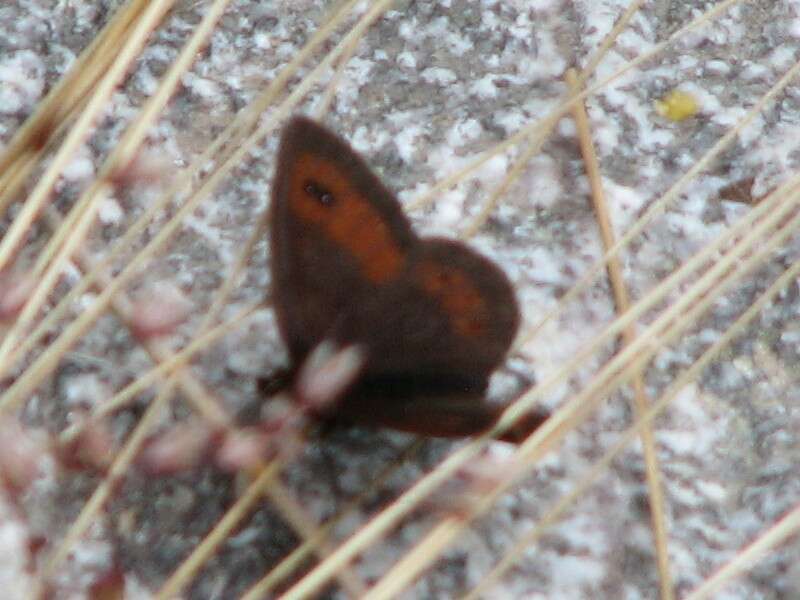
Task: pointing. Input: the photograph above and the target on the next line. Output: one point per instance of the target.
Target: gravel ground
(430, 87)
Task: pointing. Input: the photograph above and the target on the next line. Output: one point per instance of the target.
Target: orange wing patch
(322, 195)
(461, 301)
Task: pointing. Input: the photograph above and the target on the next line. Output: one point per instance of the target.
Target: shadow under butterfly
(384, 328)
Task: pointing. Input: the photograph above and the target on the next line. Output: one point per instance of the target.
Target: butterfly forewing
(338, 234)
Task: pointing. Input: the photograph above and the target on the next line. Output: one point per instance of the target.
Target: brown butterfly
(431, 318)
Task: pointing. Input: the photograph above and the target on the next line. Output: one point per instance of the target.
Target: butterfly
(430, 317)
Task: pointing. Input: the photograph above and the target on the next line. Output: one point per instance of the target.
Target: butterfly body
(432, 317)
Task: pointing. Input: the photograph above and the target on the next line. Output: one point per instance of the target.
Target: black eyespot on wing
(319, 192)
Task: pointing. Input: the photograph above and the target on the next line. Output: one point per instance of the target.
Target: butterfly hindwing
(451, 317)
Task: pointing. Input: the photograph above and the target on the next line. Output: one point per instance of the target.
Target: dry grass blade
(153, 420)
(47, 361)
(535, 143)
(294, 560)
(122, 155)
(749, 555)
(227, 138)
(542, 128)
(80, 130)
(632, 357)
(630, 361)
(52, 114)
(601, 466)
(623, 304)
(253, 493)
(657, 208)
